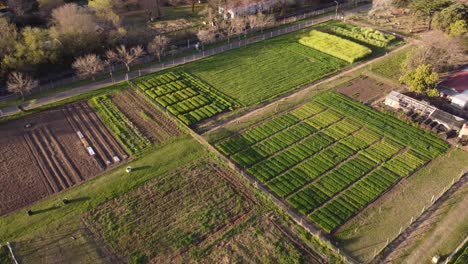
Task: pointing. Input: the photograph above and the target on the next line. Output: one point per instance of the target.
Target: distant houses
(239, 9)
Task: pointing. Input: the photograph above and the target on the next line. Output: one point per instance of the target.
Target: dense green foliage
(335, 46)
(264, 70)
(5, 255)
(448, 16)
(425, 143)
(185, 96)
(391, 66)
(462, 256)
(423, 79)
(124, 130)
(364, 34)
(331, 153)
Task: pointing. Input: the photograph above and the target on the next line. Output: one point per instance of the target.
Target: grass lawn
(370, 230)
(94, 192)
(445, 233)
(391, 67)
(264, 70)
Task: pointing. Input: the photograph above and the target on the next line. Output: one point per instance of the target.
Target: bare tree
(20, 83)
(158, 46)
(206, 36)
(260, 21)
(235, 26)
(88, 65)
(124, 56)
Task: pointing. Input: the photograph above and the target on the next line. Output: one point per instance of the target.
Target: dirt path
(178, 61)
(423, 224)
(297, 93)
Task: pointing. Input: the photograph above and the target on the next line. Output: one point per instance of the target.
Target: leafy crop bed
(126, 132)
(331, 157)
(335, 46)
(363, 34)
(185, 96)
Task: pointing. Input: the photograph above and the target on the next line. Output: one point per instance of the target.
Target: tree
(234, 26)
(206, 36)
(107, 9)
(35, 47)
(428, 8)
(421, 80)
(124, 56)
(46, 6)
(20, 7)
(20, 83)
(8, 37)
(158, 46)
(88, 65)
(458, 29)
(445, 18)
(260, 21)
(78, 40)
(438, 50)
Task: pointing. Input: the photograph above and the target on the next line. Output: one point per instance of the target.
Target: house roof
(451, 120)
(457, 81)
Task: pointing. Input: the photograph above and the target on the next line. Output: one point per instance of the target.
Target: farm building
(455, 88)
(424, 113)
(239, 9)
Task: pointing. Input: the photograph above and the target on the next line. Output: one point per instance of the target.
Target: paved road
(158, 67)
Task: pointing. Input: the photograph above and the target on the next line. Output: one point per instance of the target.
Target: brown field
(152, 123)
(49, 156)
(364, 89)
(170, 215)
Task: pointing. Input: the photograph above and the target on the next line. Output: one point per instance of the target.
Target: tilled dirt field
(153, 124)
(48, 152)
(364, 89)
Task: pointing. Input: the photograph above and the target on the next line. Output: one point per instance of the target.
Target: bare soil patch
(43, 154)
(364, 89)
(153, 124)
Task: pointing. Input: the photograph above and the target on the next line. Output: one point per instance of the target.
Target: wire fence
(379, 255)
(48, 85)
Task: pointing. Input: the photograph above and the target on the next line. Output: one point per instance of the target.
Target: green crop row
(316, 166)
(364, 34)
(307, 110)
(256, 134)
(339, 210)
(283, 139)
(125, 131)
(324, 119)
(424, 143)
(184, 96)
(361, 139)
(383, 150)
(335, 46)
(272, 167)
(341, 129)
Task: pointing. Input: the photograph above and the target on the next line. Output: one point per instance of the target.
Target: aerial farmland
(308, 144)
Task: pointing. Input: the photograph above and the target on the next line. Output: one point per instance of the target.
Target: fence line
(49, 84)
(386, 250)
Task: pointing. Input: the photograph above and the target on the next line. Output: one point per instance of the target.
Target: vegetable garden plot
(126, 132)
(335, 46)
(363, 34)
(184, 96)
(330, 152)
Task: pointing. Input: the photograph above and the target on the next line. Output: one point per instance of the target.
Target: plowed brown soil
(153, 124)
(42, 154)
